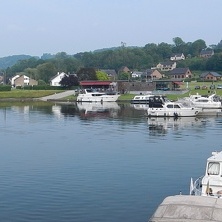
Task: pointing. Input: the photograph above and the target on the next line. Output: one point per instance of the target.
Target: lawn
(190, 86)
(19, 93)
(27, 93)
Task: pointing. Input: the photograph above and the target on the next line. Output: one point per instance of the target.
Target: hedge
(5, 88)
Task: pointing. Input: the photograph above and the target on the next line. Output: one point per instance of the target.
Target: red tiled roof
(178, 83)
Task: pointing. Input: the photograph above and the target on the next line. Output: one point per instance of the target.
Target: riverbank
(69, 95)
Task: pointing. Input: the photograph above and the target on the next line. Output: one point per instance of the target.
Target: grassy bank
(31, 94)
(18, 94)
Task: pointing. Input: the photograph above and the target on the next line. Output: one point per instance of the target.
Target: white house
(55, 80)
(166, 66)
(136, 74)
(13, 79)
(22, 80)
(177, 57)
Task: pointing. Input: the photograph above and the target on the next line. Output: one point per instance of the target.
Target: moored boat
(171, 109)
(144, 99)
(204, 101)
(141, 99)
(89, 95)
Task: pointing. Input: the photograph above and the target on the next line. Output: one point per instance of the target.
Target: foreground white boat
(172, 109)
(90, 95)
(211, 183)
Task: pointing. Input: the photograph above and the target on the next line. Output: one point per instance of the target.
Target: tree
(124, 76)
(87, 74)
(101, 75)
(197, 46)
(46, 71)
(69, 80)
(214, 63)
(178, 41)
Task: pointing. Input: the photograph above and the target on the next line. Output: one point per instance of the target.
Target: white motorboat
(211, 183)
(204, 101)
(172, 109)
(144, 99)
(141, 99)
(89, 95)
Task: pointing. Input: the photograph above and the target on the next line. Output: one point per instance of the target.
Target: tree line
(135, 58)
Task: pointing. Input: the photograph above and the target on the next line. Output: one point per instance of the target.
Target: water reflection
(140, 106)
(95, 109)
(163, 124)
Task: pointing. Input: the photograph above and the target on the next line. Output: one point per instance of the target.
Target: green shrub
(5, 88)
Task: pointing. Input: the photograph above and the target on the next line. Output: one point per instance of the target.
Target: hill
(9, 61)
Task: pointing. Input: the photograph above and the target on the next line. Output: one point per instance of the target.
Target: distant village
(164, 76)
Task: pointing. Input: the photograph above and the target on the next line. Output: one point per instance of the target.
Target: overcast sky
(34, 27)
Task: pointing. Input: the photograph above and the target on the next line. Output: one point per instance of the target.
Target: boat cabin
(212, 181)
(157, 101)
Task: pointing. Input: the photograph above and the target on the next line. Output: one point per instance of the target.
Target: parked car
(219, 87)
(204, 87)
(212, 87)
(197, 87)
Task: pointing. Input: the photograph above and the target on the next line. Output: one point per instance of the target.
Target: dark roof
(168, 63)
(177, 71)
(215, 74)
(206, 51)
(109, 72)
(148, 72)
(177, 55)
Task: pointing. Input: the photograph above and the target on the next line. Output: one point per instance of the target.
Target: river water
(86, 163)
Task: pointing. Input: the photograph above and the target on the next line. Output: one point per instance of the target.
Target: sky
(34, 27)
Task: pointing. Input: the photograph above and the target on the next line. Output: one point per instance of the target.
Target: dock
(187, 208)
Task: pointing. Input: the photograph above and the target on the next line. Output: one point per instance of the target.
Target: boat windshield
(213, 168)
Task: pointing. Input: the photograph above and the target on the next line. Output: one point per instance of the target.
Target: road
(58, 95)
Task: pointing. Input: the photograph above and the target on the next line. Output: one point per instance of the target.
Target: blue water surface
(62, 163)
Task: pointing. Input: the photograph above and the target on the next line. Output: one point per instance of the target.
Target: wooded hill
(135, 58)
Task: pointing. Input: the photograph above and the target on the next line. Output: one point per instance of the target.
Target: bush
(43, 87)
(5, 88)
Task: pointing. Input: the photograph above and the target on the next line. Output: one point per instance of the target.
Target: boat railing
(196, 187)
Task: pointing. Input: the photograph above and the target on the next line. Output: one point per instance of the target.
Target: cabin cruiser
(204, 101)
(141, 99)
(89, 95)
(211, 183)
(171, 109)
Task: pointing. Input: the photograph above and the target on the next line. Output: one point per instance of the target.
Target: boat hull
(103, 98)
(163, 112)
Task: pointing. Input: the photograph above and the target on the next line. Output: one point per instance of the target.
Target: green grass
(27, 93)
(20, 94)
